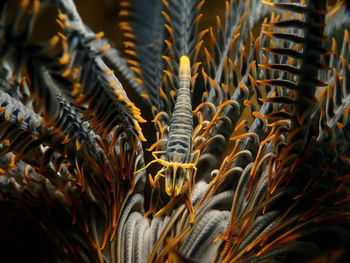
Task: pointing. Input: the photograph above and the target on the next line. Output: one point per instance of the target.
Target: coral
(257, 170)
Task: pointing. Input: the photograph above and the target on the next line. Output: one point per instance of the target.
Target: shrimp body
(178, 148)
(179, 144)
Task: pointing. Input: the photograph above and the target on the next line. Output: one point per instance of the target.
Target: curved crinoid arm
(144, 44)
(304, 77)
(69, 133)
(61, 115)
(182, 19)
(20, 126)
(120, 64)
(307, 74)
(94, 81)
(23, 133)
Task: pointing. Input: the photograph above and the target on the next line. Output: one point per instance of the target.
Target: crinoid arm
(168, 207)
(154, 197)
(174, 200)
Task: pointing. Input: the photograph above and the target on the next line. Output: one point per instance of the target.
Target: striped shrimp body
(177, 163)
(178, 149)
